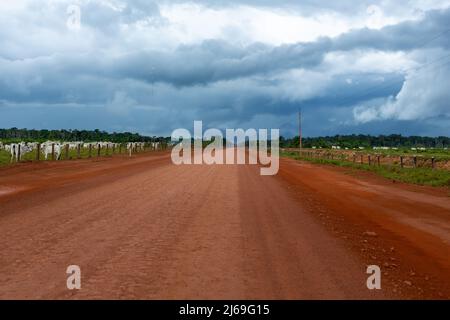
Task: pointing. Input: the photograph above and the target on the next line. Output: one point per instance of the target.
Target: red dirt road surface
(144, 228)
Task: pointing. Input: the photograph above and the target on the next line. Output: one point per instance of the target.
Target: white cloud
(192, 23)
(368, 61)
(257, 62)
(423, 96)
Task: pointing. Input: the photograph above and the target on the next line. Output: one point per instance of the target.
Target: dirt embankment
(404, 229)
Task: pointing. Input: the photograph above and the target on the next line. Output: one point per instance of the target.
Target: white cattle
(380, 148)
(155, 145)
(86, 145)
(134, 146)
(46, 147)
(74, 145)
(22, 148)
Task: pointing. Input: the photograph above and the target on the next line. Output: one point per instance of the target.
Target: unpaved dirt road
(144, 228)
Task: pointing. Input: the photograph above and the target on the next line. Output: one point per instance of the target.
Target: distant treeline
(27, 135)
(344, 141)
(354, 141)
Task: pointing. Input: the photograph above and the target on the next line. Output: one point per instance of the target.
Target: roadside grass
(4, 157)
(420, 176)
(439, 154)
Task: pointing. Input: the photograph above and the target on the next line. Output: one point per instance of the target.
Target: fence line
(66, 154)
(403, 161)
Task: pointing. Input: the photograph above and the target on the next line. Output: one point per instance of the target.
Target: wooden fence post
(120, 148)
(18, 153)
(107, 149)
(378, 160)
(53, 152)
(433, 162)
(79, 151)
(369, 157)
(362, 159)
(401, 161)
(90, 150)
(67, 151)
(13, 148)
(415, 161)
(38, 152)
(98, 150)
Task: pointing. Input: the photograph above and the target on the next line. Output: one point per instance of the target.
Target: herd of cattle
(55, 148)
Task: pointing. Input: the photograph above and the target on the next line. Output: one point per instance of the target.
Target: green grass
(439, 154)
(420, 176)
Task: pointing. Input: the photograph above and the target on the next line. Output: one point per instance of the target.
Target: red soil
(143, 228)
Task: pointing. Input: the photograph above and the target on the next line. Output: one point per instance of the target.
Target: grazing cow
(74, 145)
(47, 149)
(131, 145)
(155, 145)
(22, 147)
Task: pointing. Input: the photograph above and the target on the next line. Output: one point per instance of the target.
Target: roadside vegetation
(420, 176)
(15, 135)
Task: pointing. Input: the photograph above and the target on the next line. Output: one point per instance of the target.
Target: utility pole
(300, 129)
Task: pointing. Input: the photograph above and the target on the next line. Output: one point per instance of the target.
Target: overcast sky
(353, 66)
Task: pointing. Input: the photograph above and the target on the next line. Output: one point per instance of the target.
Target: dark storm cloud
(147, 86)
(217, 60)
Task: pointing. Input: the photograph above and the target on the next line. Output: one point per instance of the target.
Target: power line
(390, 82)
(440, 34)
(385, 85)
